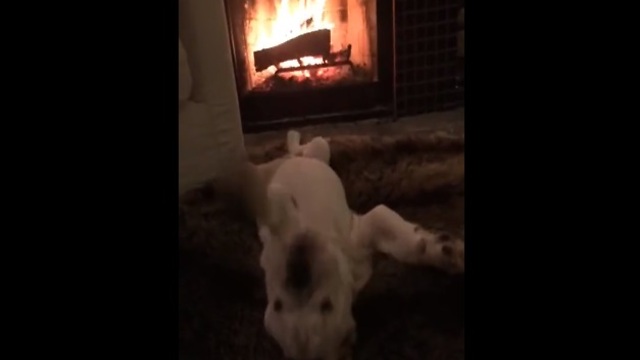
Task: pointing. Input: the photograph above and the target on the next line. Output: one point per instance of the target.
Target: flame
(293, 20)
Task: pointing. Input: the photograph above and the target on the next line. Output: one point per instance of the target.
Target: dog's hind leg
(318, 148)
(386, 231)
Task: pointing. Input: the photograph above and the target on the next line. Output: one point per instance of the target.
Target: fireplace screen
(282, 45)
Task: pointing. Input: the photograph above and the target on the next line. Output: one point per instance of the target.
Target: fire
(292, 18)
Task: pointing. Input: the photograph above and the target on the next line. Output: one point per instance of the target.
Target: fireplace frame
(271, 110)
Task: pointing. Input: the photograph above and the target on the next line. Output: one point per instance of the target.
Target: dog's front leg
(386, 231)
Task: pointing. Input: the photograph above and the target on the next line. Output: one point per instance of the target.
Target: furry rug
(403, 313)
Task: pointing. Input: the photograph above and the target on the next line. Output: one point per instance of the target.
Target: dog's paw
(441, 250)
(293, 143)
(318, 148)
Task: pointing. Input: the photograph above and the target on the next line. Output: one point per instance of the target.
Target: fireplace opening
(301, 44)
(310, 58)
(300, 62)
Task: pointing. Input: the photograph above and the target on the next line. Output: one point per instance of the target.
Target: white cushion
(211, 142)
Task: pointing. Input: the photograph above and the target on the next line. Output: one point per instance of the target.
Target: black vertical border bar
(394, 61)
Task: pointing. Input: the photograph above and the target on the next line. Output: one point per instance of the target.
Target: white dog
(317, 253)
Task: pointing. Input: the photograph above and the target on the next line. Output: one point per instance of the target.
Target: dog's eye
(326, 306)
(277, 305)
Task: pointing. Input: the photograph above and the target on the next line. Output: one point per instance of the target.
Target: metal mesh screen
(429, 72)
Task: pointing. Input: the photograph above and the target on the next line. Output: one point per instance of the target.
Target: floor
(447, 121)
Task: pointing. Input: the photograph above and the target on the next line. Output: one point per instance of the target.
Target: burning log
(316, 66)
(315, 43)
(342, 57)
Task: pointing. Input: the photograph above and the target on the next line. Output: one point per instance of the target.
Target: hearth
(305, 61)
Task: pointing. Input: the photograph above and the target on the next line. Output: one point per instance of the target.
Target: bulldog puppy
(317, 253)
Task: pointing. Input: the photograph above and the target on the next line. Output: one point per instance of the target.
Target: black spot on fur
(277, 305)
(299, 264)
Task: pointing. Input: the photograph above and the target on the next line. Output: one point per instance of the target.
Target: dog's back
(316, 194)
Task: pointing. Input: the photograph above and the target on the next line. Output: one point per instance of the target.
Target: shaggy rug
(405, 312)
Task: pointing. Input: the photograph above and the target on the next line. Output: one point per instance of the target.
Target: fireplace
(310, 59)
(305, 61)
(298, 45)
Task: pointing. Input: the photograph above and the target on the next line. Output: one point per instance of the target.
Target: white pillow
(211, 143)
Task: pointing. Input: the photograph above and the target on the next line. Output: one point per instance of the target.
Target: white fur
(305, 195)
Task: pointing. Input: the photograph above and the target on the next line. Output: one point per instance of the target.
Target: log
(316, 66)
(315, 43)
